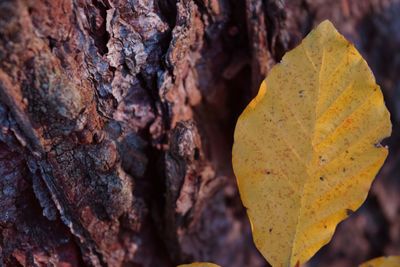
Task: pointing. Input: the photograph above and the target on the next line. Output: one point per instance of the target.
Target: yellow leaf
(392, 261)
(199, 264)
(306, 147)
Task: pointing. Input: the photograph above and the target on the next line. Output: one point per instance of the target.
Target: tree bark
(117, 119)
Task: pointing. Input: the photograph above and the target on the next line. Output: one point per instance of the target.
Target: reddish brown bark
(117, 119)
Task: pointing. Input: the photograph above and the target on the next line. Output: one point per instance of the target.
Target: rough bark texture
(117, 119)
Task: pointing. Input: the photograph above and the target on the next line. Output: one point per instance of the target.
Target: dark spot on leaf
(322, 178)
(270, 230)
(301, 93)
(325, 226)
(377, 145)
(344, 169)
(351, 158)
(349, 212)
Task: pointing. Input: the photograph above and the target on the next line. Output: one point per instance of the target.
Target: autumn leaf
(391, 261)
(199, 264)
(307, 146)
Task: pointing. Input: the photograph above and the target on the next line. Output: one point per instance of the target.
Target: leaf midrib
(302, 198)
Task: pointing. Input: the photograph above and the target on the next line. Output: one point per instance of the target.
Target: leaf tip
(326, 27)
(326, 24)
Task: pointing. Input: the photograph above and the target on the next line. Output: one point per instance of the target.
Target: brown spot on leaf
(349, 212)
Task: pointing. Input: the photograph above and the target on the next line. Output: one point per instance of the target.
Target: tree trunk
(117, 119)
